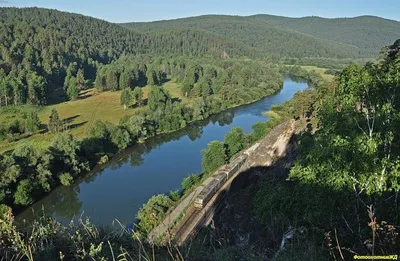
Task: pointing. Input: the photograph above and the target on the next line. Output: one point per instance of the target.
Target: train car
(235, 165)
(222, 178)
(206, 194)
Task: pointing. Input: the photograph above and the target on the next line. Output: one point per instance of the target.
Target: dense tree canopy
(357, 145)
(40, 50)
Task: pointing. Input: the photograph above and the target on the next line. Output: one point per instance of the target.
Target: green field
(79, 114)
(321, 71)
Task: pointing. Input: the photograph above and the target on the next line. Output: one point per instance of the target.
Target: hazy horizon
(121, 11)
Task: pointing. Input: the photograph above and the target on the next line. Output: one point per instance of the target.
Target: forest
(334, 208)
(337, 199)
(307, 37)
(39, 47)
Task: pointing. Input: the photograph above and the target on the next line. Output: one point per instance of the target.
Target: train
(220, 177)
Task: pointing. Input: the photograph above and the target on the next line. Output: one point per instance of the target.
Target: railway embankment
(199, 207)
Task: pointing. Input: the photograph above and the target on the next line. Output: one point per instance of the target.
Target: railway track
(197, 218)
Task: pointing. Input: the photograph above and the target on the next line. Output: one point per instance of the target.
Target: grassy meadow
(321, 71)
(79, 114)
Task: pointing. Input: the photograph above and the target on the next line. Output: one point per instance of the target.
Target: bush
(103, 160)
(153, 212)
(3, 211)
(190, 182)
(23, 195)
(234, 141)
(66, 179)
(174, 195)
(213, 157)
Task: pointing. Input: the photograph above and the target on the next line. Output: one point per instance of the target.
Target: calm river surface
(118, 189)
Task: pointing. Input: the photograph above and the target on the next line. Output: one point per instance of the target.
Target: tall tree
(32, 121)
(234, 141)
(138, 96)
(72, 90)
(80, 79)
(55, 123)
(151, 78)
(125, 80)
(112, 80)
(36, 89)
(126, 98)
(157, 97)
(213, 157)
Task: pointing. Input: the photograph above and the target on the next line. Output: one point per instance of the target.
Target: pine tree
(138, 96)
(55, 123)
(72, 91)
(112, 80)
(80, 79)
(126, 98)
(151, 78)
(32, 121)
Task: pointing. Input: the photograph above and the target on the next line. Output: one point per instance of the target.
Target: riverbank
(119, 188)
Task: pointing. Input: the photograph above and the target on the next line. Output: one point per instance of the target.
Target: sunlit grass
(321, 71)
(80, 114)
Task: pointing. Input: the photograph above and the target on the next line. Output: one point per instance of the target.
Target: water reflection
(119, 188)
(64, 204)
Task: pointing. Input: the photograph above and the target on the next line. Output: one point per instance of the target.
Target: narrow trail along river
(118, 189)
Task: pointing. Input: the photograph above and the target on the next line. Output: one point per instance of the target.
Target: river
(118, 189)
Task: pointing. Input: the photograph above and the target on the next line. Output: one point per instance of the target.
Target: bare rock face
(272, 147)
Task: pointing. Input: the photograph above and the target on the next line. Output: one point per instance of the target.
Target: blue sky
(150, 10)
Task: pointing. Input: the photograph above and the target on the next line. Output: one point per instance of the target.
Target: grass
(272, 114)
(79, 114)
(321, 71)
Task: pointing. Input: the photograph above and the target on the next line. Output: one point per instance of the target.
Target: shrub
(213, 157)
(66, 179)
(23, 195)
(190, 181)
(174, 195)
(153, 212)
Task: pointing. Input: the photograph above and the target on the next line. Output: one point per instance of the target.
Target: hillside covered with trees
(359, 37)
(274, 41)
(368, 33)
(39, 47)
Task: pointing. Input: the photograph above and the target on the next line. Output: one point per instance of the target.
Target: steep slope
(369, 33)
(257, 33)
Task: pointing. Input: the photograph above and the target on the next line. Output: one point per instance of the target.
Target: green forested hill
(294, 37)
(257, 33)
(39, 46)
(369, 33)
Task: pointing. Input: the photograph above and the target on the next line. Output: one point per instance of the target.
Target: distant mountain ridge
(368, 33)
(358, 37)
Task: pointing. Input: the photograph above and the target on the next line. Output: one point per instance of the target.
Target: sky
(150, 10)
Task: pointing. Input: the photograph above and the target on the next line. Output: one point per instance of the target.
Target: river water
(118, 189)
